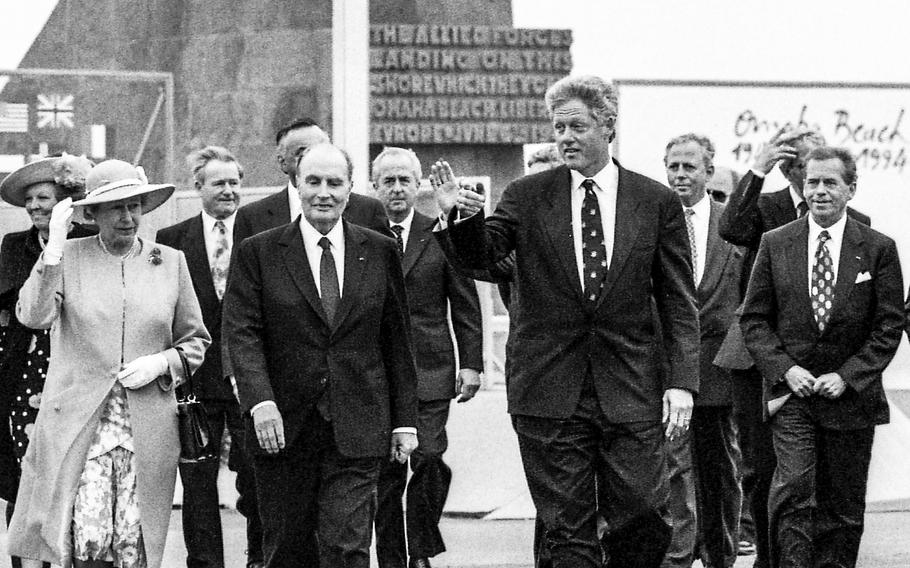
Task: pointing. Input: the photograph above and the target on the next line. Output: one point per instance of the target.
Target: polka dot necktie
(822, 288)
(593, 248)
(221, 259)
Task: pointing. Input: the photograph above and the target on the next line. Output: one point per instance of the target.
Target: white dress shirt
(405, 228)
(294, 201)
(311, 239)
(606, 182)
(836, 234)
(701, 218)
(211, 234)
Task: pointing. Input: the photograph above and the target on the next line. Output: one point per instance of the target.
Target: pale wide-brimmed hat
(113, 180)
(67, 172)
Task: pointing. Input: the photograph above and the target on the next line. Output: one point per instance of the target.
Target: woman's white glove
(143, 370)
(58, 228)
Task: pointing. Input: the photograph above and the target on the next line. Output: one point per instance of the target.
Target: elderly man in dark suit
(207, 240)
(283, 206)
(749, 214)
(822, 318)
(703, 464)
(436, 295)
(316, 317)
(596, 246)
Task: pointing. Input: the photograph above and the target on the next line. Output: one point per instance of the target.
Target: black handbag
(195, 438)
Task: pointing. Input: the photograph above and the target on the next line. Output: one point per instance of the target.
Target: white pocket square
(863, 277)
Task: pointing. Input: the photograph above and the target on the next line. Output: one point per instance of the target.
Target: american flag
(13, 117)
(55, 111)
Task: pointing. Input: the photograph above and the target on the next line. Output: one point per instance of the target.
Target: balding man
(318, 326)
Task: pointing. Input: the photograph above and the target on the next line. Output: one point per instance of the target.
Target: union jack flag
(55, 111)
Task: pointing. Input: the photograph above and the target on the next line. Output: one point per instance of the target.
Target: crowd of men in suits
(672, 361)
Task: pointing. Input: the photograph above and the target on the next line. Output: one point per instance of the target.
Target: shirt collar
(702, 208)
(406, 223)
(208, 222)
(605, 179)
(294, 201)
(311, 236)
(835, 231)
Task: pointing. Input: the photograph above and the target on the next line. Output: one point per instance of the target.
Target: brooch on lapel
(155, 257)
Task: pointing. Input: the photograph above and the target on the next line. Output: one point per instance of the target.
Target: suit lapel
(717, 254)
(797, 259)
(558, 224)
(354, 263)
(418, 238)
(850, 263)
(625, 231)
(299, 267)
(197, 256)
(280, 209)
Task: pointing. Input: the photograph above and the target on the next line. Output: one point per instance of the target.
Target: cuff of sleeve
(51, 258)
(173, 370)
(261, 404)
(400, 430)
(757, 173)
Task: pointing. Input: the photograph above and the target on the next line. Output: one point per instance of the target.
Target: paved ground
(475, 543)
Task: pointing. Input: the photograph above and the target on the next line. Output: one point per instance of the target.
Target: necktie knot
(219, 226)
(588, 185)
(397, 229)
(325, 243)
(690, 212)
(823, 237)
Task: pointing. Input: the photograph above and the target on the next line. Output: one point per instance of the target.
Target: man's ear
(197, 185)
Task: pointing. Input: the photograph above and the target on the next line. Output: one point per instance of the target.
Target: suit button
(323, 381)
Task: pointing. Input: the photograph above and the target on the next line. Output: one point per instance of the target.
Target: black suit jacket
(283, 349)
(718, 297)
(863, 331)
(557, 339)
(274, 211)
(750, 214)
(432, 286)
(209, 381)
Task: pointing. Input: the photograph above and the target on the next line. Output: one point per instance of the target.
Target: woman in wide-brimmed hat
(98, 479)
(24, 352)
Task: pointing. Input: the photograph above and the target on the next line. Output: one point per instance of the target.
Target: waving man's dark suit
(567, 356)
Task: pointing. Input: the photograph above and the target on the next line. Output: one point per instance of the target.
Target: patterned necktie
(328, 279)
(801, 209)
(690, 228)
(397, 229)
(822, 289)
(593, 248)
(221, 260)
